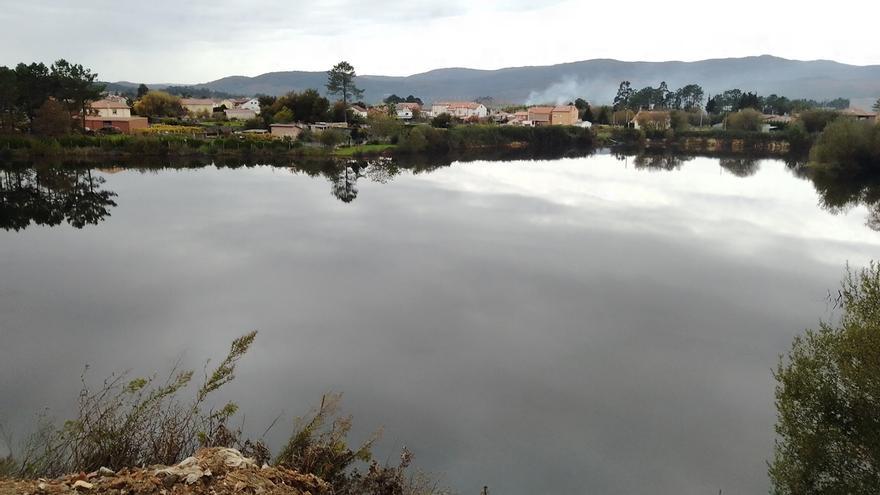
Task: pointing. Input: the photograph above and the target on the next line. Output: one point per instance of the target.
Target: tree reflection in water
(660, 161)
(740, 167)
(50, 196)
(839, 192)
(343, 180)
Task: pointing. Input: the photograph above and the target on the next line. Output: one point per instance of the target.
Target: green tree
(76, 87)
(827, 398)
(850, 148)
(750, 100)
(332, 138)
(340, 81)
(624, 93)
(142, 90)
(689, 97)
(876, 106)
(816, 120)
(383, 127)
(308, 106)
(51, 119)
(712, 105)
(283, 116)
(443, 121)
(8, 98)
(744, 120)
(34, 87)
(604, 115)
(159, 104)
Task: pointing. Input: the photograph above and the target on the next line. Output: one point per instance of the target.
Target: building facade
(460, 109)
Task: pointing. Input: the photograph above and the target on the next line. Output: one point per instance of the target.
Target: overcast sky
(199, 40)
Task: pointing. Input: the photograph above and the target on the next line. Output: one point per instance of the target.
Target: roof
(458, 104)
(540, 109)
(651, 114)
(411, 106)
(287, 125)
(108, 104)
(196, 101)
(358, 108)
(114, 118)
(858, 112)
(565, 108)
(777, 118)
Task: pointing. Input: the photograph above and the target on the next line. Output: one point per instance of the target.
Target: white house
(110, 108)
(358, 111)
(404, 113)
(460, 109)
(252, 104)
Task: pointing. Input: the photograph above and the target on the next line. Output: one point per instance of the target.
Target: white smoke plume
(568, 89)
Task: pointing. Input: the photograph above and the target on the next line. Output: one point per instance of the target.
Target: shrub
(141, 421)
(747, 119)
(443, 121)
(51, 120)
(816, 120)
(414, 141)
(159, 104)
(134, 422)
(848, 145)
(827, 398)
(332, 137)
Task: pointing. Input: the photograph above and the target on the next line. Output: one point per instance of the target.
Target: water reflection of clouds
(552, 327)
(701, 199)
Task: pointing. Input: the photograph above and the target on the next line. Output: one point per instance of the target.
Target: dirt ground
(216, 471)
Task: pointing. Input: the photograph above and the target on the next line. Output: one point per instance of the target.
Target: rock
(81, 485)
(105, 471)
(169, 480)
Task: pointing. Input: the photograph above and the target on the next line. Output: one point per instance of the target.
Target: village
(241, 116)
(114, 114)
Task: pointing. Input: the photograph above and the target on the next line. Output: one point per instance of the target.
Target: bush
(442, 121)
(848, 145)
(159, 104)
(747, 119)
(51, 120)
(827, 398)
(414, 141)
(332, 138)
(142, 421)
(134, 422)
(815, 121)
(679, 120)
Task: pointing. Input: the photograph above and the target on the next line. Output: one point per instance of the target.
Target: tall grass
(132, 422)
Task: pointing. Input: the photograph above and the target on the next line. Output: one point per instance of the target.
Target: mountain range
(595, 80)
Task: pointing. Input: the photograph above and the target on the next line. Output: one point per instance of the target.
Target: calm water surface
(570, 326)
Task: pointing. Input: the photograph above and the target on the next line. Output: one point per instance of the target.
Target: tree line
(33, 92)
(685, 98)
(691, 96)
(734, 100)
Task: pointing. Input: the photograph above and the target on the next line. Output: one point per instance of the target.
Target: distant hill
(595, 80)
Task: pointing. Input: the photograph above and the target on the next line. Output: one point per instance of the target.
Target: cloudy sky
(200, 40)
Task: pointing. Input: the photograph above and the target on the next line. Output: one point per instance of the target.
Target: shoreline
(17, 151)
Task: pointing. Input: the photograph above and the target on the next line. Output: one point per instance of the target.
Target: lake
(603, 324)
